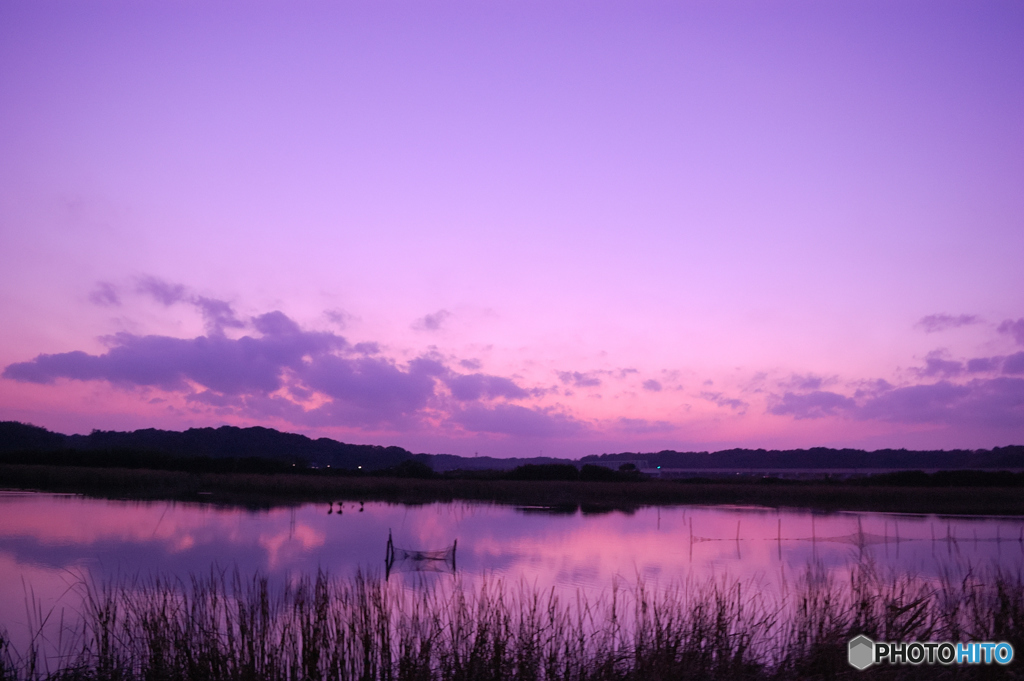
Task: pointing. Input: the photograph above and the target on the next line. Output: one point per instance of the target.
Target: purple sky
(517, 227)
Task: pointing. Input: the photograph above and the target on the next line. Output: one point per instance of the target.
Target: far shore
(267, 490)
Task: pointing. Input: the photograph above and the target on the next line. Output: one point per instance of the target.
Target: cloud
(1014, 328)
(367, 348)
(872, 387)
(279, 369)
(160, 290)
(997, 402)
(935, 365)
(915, 403)
(723, 401)
(983, 364)
(105, 295)
(338, 317)
(988, 402)
(1014, 364)
(473, 387)
(511, 419)
(643, 426)
(277, 323)
(276, 368)
(579, 380)
(431, 322)
(48, 368)
(224, 365)
(217, 314)
(812, 405)
(804, 382)
(940, 322)
(369, 390)
(241, 372)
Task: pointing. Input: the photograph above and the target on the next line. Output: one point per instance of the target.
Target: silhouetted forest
(823, 457)
(226, 442)
(265, 450)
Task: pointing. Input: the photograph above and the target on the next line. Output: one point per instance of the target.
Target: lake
(51, 543)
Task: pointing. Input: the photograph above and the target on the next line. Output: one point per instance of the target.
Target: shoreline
(262, 491)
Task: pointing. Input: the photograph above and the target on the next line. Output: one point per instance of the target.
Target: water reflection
(50, 542)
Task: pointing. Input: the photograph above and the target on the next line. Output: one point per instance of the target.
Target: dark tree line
(257, 449)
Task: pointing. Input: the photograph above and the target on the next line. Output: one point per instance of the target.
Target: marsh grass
(227, 627)
(264, 491)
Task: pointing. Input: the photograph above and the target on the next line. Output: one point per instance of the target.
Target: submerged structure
(418, 560)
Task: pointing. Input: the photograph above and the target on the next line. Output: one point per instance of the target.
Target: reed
(254, 490)
(227, 627)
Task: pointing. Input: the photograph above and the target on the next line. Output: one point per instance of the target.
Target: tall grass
(251, 490)
(226, 627)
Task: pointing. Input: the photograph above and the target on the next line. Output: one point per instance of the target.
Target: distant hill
(823, 457)
(230, 442)
(19, 437)
(215, 443)
(451, 462)
(233, 442)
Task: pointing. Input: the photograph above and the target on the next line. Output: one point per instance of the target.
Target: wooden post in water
(691, 539)
(389, 556)
(780, 538)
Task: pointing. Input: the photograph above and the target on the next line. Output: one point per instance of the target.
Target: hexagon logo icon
(861, 652)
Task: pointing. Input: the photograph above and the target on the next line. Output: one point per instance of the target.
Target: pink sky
(517, 227)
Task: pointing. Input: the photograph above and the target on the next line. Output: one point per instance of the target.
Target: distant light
(659, 467)
(360, 466)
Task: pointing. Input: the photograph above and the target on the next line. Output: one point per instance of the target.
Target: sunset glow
(513, 228)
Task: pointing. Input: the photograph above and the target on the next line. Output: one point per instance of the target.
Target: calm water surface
(51, 543)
